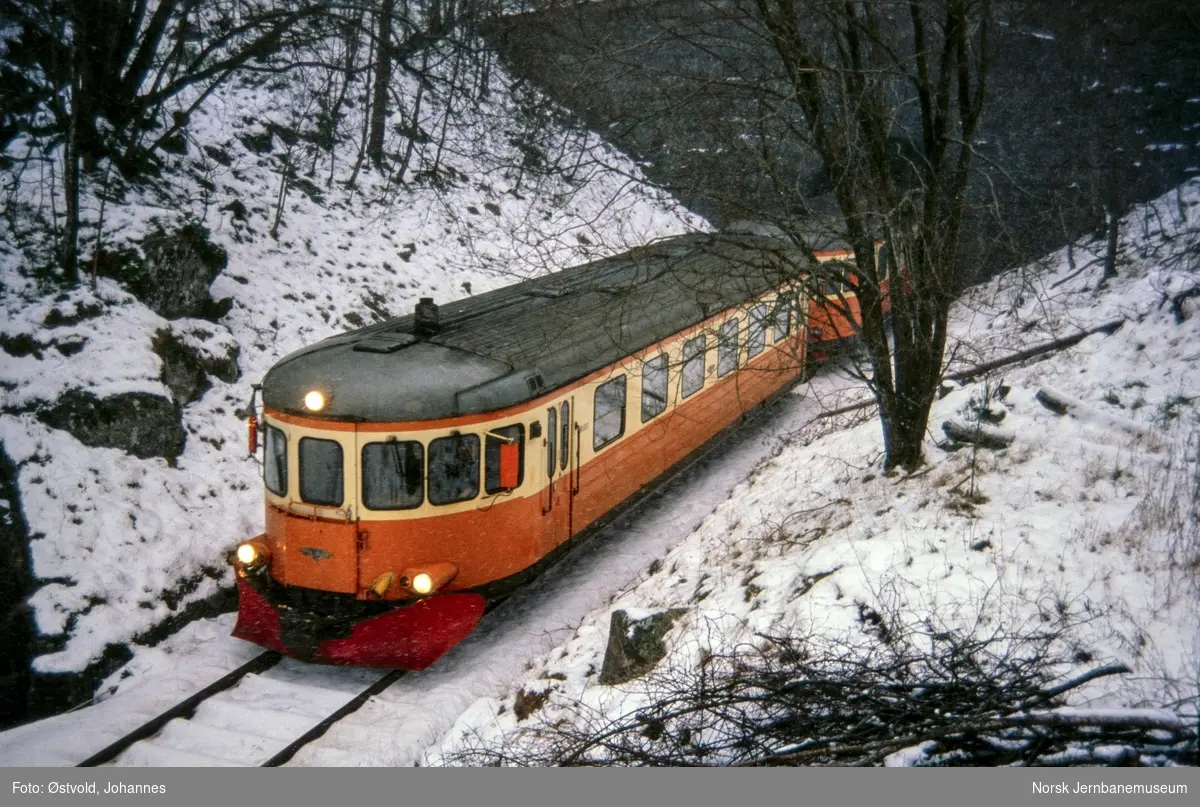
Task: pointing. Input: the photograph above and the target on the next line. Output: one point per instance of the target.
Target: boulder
(181, 372)
(635, 645)
(178, 269)
(191, 351)
(172, 274)
(145, 425)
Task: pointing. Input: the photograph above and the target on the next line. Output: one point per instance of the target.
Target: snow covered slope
(1087, 524)
(506, 189)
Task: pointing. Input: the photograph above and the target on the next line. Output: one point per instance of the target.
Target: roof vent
(426, 317)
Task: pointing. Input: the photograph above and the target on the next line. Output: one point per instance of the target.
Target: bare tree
(403, 32)
(383, 78)
(847, 72)
(839, 122)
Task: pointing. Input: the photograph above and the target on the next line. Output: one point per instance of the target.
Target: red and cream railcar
(835, 313)
(416, 468)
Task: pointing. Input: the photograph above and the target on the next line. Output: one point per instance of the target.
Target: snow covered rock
(174, 276)
(635, 645)
(192, 350)
(145, 425)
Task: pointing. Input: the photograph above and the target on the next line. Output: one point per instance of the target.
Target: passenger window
(727, 348)
(693, 364)
(551, 438)
(453, 468)
(654, 387)
(756, 336)
(393, 475)
(321, 471)
(507, 435)
(783, 318)
(275, 466)
(564, 453)
(609, 421)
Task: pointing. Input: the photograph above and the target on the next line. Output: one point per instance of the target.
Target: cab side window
(275, 465)
(491, 456)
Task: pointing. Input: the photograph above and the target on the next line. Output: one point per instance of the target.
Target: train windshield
(393, 475)
(321, 471)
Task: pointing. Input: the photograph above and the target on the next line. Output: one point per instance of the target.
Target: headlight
(314, 401)
(252, 553)
(422, 583)
(428, 578)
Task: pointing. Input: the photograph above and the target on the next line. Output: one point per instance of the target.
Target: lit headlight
(252, 553)
(428, 578)
(314, 401)
(422, 583)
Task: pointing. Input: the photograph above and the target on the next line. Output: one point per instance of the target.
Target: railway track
(260, 714)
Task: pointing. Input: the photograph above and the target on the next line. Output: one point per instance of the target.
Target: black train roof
(506, 346)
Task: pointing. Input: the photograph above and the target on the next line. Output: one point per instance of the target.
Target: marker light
(315, 401)
(422, 583)
(382, 583)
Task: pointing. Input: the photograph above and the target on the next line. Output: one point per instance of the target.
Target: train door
(360, 532)
(561, 462)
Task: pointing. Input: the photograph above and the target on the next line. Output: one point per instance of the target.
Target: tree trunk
(69, 246)
(383, 78)
(1112, 222)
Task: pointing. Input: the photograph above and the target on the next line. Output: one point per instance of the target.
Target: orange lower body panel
(409, 638)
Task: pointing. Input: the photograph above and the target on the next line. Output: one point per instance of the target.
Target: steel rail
(184, 709)
(317, 731)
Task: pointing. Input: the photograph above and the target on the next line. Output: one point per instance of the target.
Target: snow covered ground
(1087, 522)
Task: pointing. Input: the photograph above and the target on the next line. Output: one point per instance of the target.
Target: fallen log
(1062, 404)
(1108, 328)
(978, 434)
